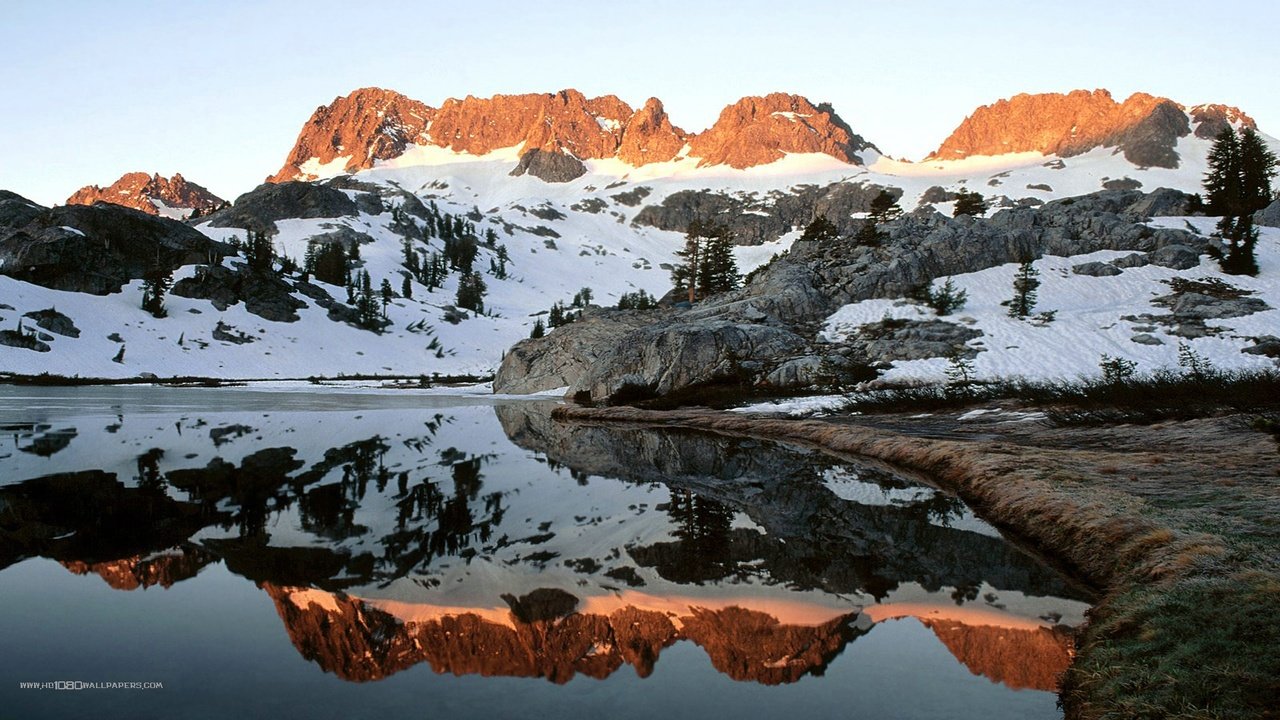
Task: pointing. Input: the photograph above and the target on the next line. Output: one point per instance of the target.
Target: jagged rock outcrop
(368, 125)
(141, 191)
(759, 130)
(745, 335)
(95, 249)
(1211, 119)
(550, 166)
(1145, 128)
(372, 124)
(649, 136)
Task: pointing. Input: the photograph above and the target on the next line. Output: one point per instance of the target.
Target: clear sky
(218, 90)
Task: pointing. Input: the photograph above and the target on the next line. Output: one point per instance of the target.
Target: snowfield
(562, 237)
(1089, 317)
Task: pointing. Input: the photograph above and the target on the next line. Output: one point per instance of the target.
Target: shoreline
(21, 380)
(1165, 588)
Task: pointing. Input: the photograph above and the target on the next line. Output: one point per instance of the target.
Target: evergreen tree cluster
(461, 245)
(638, 300)
(708, 264)
(1238, 184)
(259, 251)
(471, 290)
(328, 261)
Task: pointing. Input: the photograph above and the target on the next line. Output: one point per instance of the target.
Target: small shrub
(945, 300)
(1117, 370)
(1194, 365)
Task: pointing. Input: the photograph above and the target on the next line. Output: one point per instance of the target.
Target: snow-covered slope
(1091, 317)
(561, 237)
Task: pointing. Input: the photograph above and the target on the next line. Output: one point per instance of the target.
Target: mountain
(173, 197)
(354, 132)
(1145, 128)
(559, 193)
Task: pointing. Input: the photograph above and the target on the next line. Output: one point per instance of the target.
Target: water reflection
(503, 544)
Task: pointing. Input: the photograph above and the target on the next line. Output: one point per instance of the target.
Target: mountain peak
(761, 129)
(367, 125)
(1146, 128)
(152, 194)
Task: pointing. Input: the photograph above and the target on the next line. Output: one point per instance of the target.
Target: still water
(348, 553)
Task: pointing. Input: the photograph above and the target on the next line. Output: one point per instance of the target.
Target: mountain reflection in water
(516, 546)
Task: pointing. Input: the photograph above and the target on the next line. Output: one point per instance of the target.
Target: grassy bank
(1175, 522)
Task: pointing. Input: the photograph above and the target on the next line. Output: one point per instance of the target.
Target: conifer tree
(820, 230)
(406, 288)
(708, 265)
(539, 329)
(1237, 185)
(471, 290)
(1025, 282)
(884, 208)
(971, 203)
(155, 283)
(385, 291)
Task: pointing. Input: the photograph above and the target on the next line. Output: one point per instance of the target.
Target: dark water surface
(349, 554)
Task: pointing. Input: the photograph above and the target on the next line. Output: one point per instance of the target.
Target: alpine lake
(338, 552)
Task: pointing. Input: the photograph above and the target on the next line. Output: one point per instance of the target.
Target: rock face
(1269, 215)
(1145, 128)
(550, 166)
(753, 335)
(372, 124)
(141, 191)
(755, 219)
(531, 365)
(1213, 118)
(649, 136)
(95, 249)
(259, 208)
(367, 125)
(759, 130)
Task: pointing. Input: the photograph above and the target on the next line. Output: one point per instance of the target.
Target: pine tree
(538, 329)
(385, 291)
(884, 208)
(971, 203)
(820, 230)
(1237, 185)
(327, 261)
(1025, 282)
(406, 287)
(1222, 188)
(471, 289)
(708, 266)
(259, 251)
(155, 283)
(1257, 170)
(367, 313)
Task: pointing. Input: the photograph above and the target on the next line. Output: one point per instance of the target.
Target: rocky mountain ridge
(374, 124)
(1144, 127)
(152, 194)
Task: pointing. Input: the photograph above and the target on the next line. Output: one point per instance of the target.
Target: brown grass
(1189, 568)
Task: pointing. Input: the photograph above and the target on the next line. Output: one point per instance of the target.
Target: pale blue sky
(218, 91)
